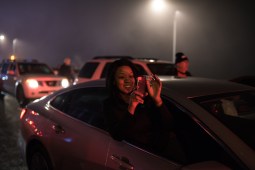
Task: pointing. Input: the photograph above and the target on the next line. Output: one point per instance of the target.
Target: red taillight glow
(34, 113)
(22, 113)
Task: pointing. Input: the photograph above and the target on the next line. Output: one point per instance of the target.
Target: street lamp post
(174, 34)
(2, 38)
(14, 42)
(157, 6)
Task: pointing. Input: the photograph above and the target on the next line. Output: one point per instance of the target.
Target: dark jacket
(147, 127)
(67, 71)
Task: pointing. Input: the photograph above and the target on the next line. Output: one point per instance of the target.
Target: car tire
(21, 98)
(38, 159)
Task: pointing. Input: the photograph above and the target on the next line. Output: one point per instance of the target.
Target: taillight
(22, 113)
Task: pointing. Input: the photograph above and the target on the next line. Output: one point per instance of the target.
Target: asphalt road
(10, 157)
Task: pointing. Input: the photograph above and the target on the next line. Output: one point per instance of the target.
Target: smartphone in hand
(141, 84)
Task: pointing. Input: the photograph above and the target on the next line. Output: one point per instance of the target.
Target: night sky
(217, 36)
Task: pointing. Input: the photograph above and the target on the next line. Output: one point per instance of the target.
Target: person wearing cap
(182, 65)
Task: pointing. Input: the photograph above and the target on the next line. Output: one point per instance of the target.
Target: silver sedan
(214, 122)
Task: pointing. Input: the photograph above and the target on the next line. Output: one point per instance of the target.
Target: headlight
(64, 83)
(32, 83)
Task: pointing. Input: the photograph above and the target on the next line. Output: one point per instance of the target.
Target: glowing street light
(2, 37)
(158, 6)
(12, 57)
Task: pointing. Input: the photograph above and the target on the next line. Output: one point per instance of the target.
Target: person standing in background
(182, 65)
(66, 69)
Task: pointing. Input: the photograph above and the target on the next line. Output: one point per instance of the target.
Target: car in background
(28, 80)
(214, 121)
(97, 67)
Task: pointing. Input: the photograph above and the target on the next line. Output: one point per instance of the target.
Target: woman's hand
(136, 97)
(154, 86)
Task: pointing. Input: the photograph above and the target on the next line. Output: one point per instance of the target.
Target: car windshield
(165, 69)
(34, 68)
(235, 110)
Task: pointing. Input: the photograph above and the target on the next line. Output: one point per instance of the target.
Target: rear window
(88, 69)
(162, 68)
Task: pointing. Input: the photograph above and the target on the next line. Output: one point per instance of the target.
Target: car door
(123, 155)
(78, 146)
(198, 145)
(77, 142)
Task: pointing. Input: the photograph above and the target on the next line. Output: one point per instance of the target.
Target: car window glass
(197, 143)
(88, 69)
(5, 68)
(34, 68)
(235, 110)
(104, 72)
(85, 104)
(161, 68)
(61, 102)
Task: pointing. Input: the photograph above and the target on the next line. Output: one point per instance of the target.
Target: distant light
(12, 57)
(158, 5)
(2, 37)
(23, 111)
(68, 140)
(177, 12)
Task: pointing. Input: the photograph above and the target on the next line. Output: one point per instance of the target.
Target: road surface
(10, 158)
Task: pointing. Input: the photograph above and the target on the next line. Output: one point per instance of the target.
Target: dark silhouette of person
(66, 69)
(182, 65)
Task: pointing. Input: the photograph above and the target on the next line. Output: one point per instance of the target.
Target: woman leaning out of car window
(141, 119)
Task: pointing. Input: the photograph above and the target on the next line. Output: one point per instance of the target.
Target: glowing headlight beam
(32, 83)
(65, 83)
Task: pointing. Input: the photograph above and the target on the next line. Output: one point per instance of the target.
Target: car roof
(140, 59)
(198, 86)
(189, 87)
(31, 61)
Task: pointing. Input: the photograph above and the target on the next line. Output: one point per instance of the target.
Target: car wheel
(22, 100)
(38, 159)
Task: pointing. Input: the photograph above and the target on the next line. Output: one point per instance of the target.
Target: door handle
(58, 129)
(123, 162)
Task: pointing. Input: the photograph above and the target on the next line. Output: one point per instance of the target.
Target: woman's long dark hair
(110, 78)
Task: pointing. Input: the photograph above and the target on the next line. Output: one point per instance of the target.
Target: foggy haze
(216, 36)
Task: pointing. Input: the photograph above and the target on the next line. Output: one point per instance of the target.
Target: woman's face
(124, 79)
